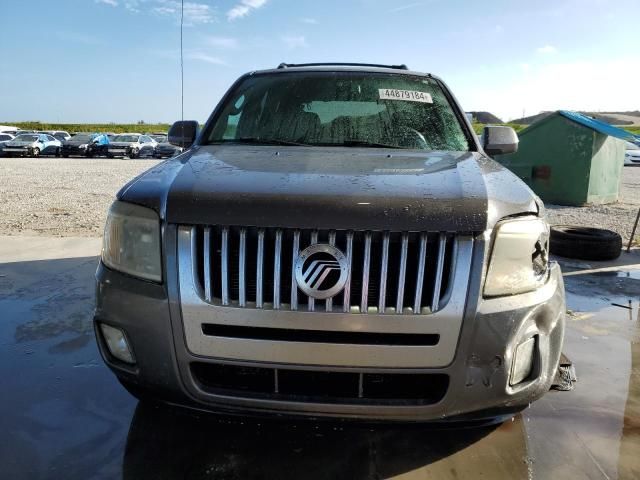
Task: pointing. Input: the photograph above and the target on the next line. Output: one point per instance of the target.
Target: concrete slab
(25, 248)
(65, 416)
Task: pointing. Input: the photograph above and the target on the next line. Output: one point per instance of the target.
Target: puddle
(635, 274)
(66, 416)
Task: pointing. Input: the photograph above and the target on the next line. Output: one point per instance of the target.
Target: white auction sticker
(407, 95)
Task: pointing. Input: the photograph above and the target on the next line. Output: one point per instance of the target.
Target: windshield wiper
(360, 143)
(260, 141)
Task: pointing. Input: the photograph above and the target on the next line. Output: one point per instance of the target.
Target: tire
(585, 243)
(58, 152)
(35, 152)
(134, 154)
(109, 155)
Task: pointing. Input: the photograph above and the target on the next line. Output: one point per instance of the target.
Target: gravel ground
(61, 196)
(618, 217)
(70, 197)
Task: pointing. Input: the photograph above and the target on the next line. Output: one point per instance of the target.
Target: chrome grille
(390, 272)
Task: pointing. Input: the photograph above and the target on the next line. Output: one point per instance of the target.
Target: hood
(71, 143)
(332, 188)
(121, 144)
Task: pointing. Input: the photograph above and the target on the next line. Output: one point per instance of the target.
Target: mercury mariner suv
(335, 242)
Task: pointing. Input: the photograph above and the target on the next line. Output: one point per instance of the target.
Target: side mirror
(184, 133)
(498, 140)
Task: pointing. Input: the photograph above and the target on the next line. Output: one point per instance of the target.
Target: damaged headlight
(519, 257)
(131, 241)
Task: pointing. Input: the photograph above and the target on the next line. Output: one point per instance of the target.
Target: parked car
(59, 134)
(132, 145)
(4, 138)
(632, 154)
(32, 145)
(86, 145)
(166, 150)
(160, 138)
(336, 242)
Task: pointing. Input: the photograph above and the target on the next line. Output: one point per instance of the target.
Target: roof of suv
(346, 67)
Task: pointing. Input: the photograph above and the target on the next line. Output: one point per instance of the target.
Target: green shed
(570, 159)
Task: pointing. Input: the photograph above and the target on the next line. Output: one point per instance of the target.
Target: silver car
(132, 145)
(32, 145)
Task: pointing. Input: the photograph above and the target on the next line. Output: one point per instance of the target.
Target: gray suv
(334, 242)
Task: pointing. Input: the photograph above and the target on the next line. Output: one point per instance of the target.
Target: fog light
(117, 343)
(523, 361)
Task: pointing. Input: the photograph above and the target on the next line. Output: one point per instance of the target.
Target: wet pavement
(65, 416)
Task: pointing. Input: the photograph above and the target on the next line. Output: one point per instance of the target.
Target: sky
(76, 61)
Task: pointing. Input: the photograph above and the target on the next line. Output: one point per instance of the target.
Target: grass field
(164, 127)
(92, 127)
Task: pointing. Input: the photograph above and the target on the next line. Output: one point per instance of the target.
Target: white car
(32, 145)
(632, 154)
(132, 145)
(9, 129)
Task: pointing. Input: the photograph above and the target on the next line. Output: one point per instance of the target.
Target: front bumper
(68, 151)
(119, 151)
(478, 376)
(17, 150)
(165, 152)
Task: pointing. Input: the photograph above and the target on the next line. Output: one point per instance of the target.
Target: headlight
(131, 241)
(83, 146)
(519, 257)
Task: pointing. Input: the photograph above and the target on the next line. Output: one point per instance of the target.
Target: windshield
(82, 138)
(26, 138)
(159, 138)
(126, 138)
(340, 109)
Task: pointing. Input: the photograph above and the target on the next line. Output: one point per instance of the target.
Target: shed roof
(597, 125)
(588, 122)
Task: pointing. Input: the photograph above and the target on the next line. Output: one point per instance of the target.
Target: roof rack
(342, 64)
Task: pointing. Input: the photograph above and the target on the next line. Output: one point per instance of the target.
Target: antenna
(182, 71)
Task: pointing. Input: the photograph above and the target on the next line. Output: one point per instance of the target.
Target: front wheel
(58, 152)
(35, 152)
(134, 154)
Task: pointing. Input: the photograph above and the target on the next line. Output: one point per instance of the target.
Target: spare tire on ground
(585, 243)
